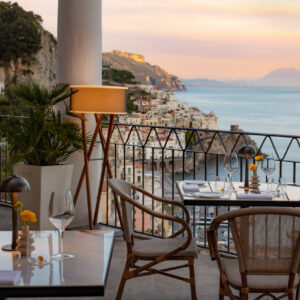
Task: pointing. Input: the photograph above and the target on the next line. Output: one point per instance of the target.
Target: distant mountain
(144, 72)
(284, 77)
(202, 82)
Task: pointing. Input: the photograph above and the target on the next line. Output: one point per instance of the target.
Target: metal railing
(155, 157)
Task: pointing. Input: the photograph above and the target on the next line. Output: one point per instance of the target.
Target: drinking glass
(268, 168)
(61, 214)
(220, 184)
(231, 164)
(38, 254)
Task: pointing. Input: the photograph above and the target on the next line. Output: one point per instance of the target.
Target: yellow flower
(28, 216)
(253, 167)
(18, 205)
(259, 158)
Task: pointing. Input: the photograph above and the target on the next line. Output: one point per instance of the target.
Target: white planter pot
(43, 181)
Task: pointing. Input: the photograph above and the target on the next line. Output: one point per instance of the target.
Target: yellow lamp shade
(99, 99)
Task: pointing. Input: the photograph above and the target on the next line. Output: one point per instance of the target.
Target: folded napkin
(9, 277)
(240, 196)
(190, 188)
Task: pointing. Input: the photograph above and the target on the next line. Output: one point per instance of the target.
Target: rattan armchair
(154, 251)
(267, 243)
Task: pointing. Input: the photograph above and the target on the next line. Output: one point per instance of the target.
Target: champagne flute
(231, 164)
(268, 168)
(61, 214)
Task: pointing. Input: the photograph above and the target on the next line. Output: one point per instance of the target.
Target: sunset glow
(194, 38)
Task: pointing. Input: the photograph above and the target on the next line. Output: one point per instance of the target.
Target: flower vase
(25, 241)
(254, 183)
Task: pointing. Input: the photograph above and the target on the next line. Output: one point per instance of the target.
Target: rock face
(43, 66)
(143, 71)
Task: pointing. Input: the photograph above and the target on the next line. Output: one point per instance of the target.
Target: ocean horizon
(257, 110)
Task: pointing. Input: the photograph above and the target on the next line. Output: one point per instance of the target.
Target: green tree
(20, 37)
(121, 76)
(190, 137)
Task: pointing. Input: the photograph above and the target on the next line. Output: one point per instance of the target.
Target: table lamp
(247, 150)
(14, 184)
(97, 100)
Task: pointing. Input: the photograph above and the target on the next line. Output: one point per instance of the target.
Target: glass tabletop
(92, 250)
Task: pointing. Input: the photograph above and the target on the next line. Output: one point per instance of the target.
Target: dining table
(237, 196)
(84, 275)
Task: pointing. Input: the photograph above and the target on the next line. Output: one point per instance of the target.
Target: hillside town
(163, 110)
(160, 109)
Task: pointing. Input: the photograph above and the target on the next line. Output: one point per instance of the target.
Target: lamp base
(8, 248)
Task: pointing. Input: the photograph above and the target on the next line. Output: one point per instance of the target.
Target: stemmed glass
(268, 168)
(231, 164)
(61, 214)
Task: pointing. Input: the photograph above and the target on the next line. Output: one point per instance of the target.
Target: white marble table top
(87, 271)
(292, 199)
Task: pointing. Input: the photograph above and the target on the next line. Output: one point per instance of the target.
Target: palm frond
(44, 136)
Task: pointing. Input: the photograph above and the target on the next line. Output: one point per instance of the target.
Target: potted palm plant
(40, 142)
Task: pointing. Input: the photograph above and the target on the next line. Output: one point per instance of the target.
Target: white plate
(199, 182)
(209, 195)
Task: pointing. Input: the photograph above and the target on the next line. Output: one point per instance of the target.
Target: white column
(79, 61)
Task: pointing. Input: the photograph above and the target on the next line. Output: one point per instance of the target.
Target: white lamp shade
(99, 99)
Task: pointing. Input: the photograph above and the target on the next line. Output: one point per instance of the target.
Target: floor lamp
(97, 100)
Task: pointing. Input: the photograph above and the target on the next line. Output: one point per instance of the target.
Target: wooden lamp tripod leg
(87, 176)
(110, 173)
(104, 164)
(89, 156)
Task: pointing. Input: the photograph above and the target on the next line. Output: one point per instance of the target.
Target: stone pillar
(79, 61)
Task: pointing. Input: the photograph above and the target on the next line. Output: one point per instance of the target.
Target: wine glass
(61, 214)
(231, 164)
(281, 191)
(268, 168)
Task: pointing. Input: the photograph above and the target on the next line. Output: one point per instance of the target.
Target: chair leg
(222, 292)
(244, 296)
(192, 278)
(123, 279)
(291, 296)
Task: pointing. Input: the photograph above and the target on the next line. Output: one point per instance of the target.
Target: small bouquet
(25, 215)
(253, 167)
(254, 186)
(25, 240)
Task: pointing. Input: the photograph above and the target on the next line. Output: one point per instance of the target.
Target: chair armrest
(158, 214)
(185, 225)
(167, 201)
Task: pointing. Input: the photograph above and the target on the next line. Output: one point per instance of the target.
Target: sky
(214, 39)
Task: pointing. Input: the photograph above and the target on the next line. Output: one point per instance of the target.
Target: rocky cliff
(144, 72)
(43, 66)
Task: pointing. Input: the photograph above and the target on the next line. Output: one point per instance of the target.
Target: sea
(260, 110)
